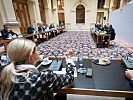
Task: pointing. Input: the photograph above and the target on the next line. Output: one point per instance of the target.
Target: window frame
(80, 14)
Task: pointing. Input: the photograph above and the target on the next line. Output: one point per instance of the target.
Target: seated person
(105, 28)
(41, 28)
(31, 30)
(98, 27)
(112, 32)
(51, 26)
(46, 27)
(7, 32)
(22, 80)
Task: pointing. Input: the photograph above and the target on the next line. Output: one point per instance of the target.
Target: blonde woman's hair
(18, 52)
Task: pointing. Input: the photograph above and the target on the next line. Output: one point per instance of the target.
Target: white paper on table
(63, 71)
(20, 36)
(102, 33)
(14, 36)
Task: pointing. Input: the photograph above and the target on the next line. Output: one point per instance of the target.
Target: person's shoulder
(11, 30)
(2, 30)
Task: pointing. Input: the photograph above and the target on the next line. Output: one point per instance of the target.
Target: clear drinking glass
(81, 69)
(80, 61)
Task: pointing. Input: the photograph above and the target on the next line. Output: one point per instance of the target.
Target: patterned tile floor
(83, 43)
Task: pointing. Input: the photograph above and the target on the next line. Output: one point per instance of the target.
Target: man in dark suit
(31, 30)
(7, 32)
(41, 28)
(110, 31)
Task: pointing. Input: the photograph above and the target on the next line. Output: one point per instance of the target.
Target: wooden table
(97, 37)
(47, 33)
(5, 42)
(30, 35)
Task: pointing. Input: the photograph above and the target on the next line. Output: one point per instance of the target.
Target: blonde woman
(21, 80)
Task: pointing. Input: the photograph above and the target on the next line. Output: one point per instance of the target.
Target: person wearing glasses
(7, 32)
(21, 80)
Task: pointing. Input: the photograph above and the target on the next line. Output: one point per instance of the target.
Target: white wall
(122, 21)
(70, 14)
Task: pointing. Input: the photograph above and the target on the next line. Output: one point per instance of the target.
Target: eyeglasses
(34, 49)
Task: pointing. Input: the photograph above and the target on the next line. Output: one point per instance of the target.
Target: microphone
(56, 64)
(55, 56)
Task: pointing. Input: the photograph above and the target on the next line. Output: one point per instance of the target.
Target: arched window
(80, 14)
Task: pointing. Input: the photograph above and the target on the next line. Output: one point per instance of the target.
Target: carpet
(82, 44)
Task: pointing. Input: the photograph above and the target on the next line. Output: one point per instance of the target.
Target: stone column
(121, 3)
(38, 16)
(48, 11)
(8, 15)
(34, 12)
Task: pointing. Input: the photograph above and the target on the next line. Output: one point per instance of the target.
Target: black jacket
(5, 33)
(112, 32)
(30, 30)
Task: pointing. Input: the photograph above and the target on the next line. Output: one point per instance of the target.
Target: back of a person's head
(19, 50)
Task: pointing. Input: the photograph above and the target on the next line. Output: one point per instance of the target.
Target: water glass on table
(81, 68)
